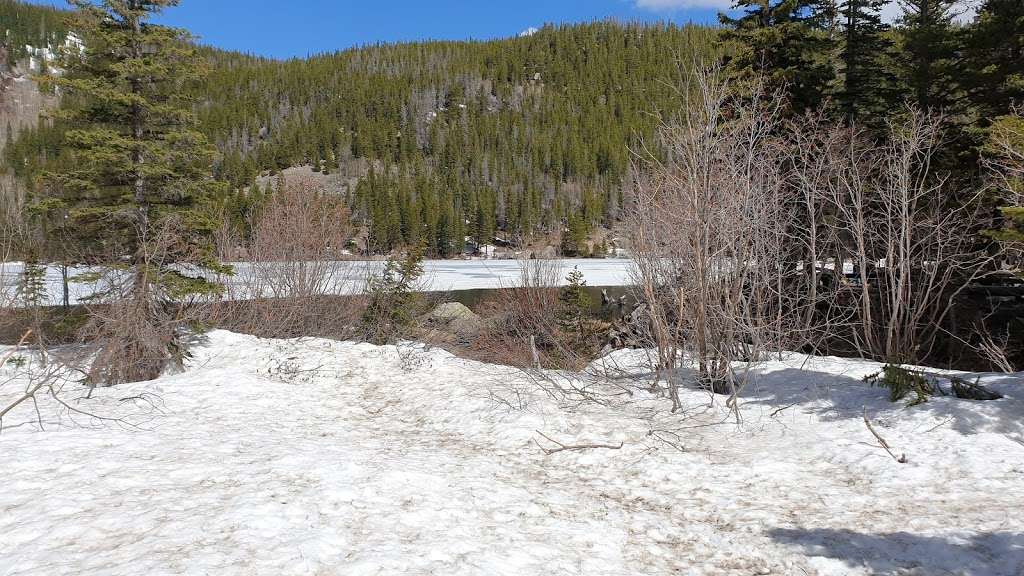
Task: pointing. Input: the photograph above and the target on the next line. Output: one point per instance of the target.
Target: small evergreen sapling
(901, 382)
(31, 290)
(394, 298)
(575, 306)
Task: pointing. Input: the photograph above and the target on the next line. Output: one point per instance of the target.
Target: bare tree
(914, 238)
(743, 229)
(293, 266)
(710, 229)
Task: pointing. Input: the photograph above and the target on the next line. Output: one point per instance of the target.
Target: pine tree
(865, 80)
(928, 60)
(138, 176)
(995, 57)
(574, 237)
(393, 298)
(575, 305)
(31, 289)
(1005, 147)
(786, 42)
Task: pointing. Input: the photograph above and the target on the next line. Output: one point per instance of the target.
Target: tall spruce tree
(995, 49)
(135, 179)
(865, 80)
(787, 42)
(928, 59)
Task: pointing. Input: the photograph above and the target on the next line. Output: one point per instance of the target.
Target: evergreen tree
(928, 60)
(394, 298)
(575, 306)
(787, 42)
(137, 176)
(1005, 148)
(995, 57)
(574, 237)
(23, 24)
(865, 79)
(31, 289)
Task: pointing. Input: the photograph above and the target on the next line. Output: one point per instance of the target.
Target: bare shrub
(534, 327)
(996, 347)
(744, 230)
(43, 383)
(7, 269)
(289, 281)
(709, 235)
(522, 318)
(822, 159)
(913, 237)
(12, 357)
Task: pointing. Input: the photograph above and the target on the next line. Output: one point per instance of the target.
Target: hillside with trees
(441, 140)
(30, 25)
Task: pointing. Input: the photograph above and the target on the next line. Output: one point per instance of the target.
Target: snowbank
(319, 457)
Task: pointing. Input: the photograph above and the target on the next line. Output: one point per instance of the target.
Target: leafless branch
(560, 447)
(902, 458)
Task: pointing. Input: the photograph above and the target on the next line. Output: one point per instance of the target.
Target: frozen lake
(439, 275)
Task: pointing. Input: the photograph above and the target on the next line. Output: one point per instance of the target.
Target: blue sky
(284, 28)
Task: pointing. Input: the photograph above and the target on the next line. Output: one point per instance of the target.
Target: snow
(319, 457)
(439, 275)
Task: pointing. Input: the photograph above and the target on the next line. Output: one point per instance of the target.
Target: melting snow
(320, 457)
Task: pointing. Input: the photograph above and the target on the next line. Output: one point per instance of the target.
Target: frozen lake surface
(439, 275)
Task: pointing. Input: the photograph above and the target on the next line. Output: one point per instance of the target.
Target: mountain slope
(524, 137)
(520, 134)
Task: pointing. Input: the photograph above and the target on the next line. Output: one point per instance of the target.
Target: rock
(548, 253)
(451, 311)
(454, 318)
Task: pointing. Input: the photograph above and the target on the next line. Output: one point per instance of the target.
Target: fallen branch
(563, 447)
(776, 412)
(10, 353)
(902, 458)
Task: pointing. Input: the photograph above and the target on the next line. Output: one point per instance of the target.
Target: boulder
(456, 319)
(548, 253)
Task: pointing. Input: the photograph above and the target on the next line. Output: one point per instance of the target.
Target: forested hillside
(517, 134)
(24, 25)
(440, 140)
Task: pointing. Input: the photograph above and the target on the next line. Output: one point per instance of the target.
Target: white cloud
(528, 32)
(669, 5)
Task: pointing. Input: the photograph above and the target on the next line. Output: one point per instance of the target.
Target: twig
(937, 426)
(902, 458)
(772, 415)
(561, 447)
(10, 353)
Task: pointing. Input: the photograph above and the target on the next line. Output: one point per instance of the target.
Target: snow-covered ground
(439, 275)
(318, 457)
